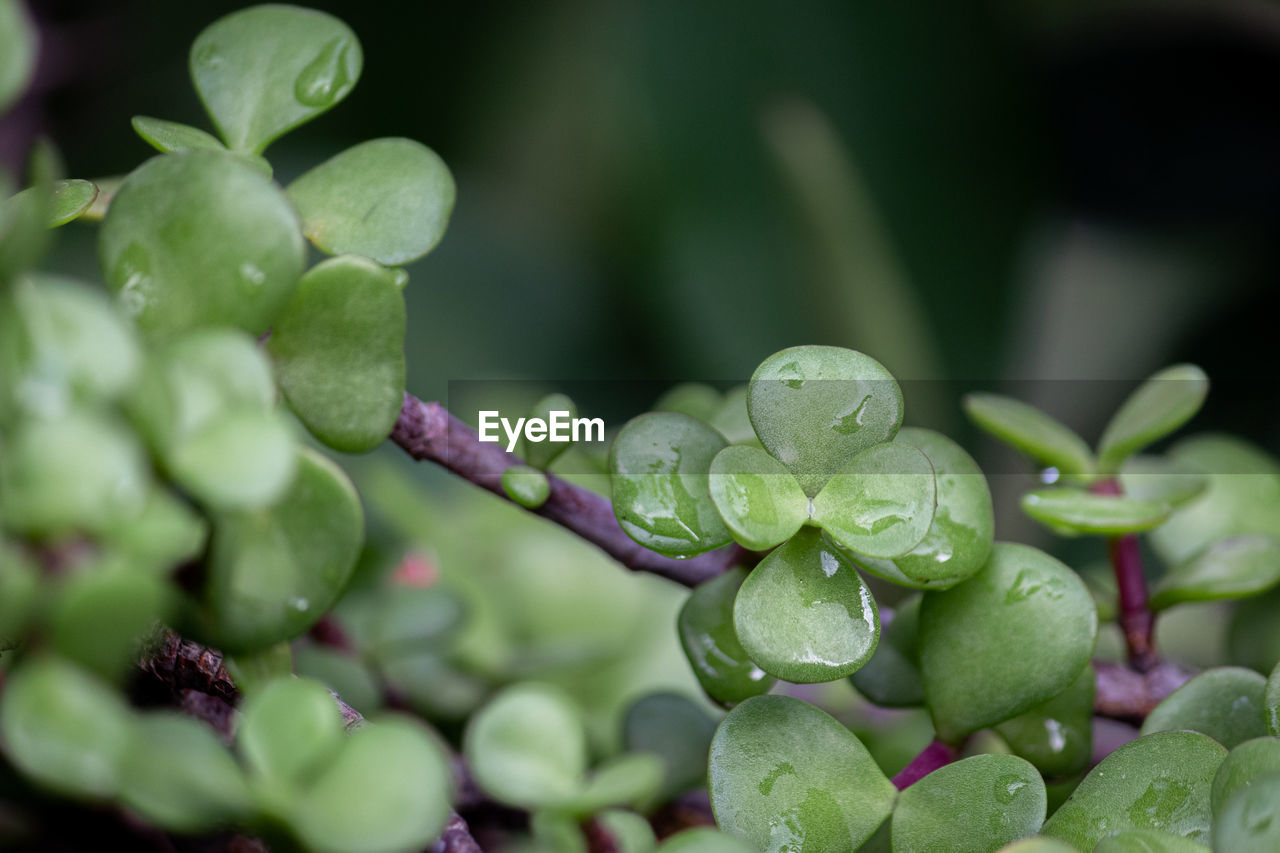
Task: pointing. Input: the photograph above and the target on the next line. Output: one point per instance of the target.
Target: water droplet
(1057, 735)
(208, 56)
(300, 604)
(790, 376)
(327, 77)
(1008, 786)
(849, 422)
(251, 277)
(767, 783)
(1049, 476)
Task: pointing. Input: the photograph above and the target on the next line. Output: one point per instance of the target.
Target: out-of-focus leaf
(1159, 406)
(1075, 511)
(1030, 430)
(1235, 567)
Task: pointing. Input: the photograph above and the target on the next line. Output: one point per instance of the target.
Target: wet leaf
(1244, 763)
(804, 614)
(387, 199)
(659, 464)
(526, 486)
(1057, 736)
(781, 772)
(815, 408)
(1250, 820)
(758, 498)
(1225, 703)
(1030, 430)
(1077, 511)
(891, 678)
(1235, 567)
(1159, 406)
(264, 70)
(711, 642)
(977, 674)
(1148, 841)
(881, 503)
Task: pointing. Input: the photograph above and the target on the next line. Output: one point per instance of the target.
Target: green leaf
(711, 643)
(178, 775)
(1244, 763)
(1253, 632)
(165, 533)
(540, 454)
(1030, 430)
(557, 832)
(350, 677)
(630, 832)
(256, 670)
(785, 774)
(170, 136)
(265, 70)
(1160, 781)
(627, 780)
(703, 840)
(804, 614)
(240, 460)
(401, 800)
(1159, 406)
(979, 803)
(100, 617)
(1057, 736)
(1226, 703)
(528, 748)
(1037, 845)
(289, 731)
(1271, 701)
(526, 486)
(1250, 821)
(200, 238)
(17, 51)
(1148, 841)
(1160, 478)
(70, 201)
(339, 353)
(676, 730)
(1243, 496)
(24, 218)
(20, 591)
(1075, 511)
(882, 503)
(694, 399)
(1010, 638)
(959, 539)
(815, 408)
(273, 572)
(758, 498)
(64, 729)
(659, 464)
(891, 678)
(387, 199)
(1235, 567)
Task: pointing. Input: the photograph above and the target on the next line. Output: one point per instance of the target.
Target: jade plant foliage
(366, 669)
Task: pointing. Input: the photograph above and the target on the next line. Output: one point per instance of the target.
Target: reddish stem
(1136, 619)
(936, 754)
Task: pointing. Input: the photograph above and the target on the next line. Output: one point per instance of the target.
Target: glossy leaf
(339, 353)
(1244, 763)
(978, 803)
(1057, 736)
(711, 643)
(1160, 781)
(784, 774)
(17, 51)
(64, 729)
(199, 238)
(815, 408)
(804, 614)
(70, 201)
(881, 503)
(959, 539)
(1148, 841)
(1010, 638)
(1160, 478)
(170, 136)
(1235, 567)
(1250, 821)
(1243, 496)
(1030, 430)
(758, 498)
(678, 731)
(289, 731)
(527, 748)
(273, 572)
(264, 70)
(178, 775)
(659, 464)
(1225, 703)
(387, 790)
(892, 677)
(526, 486)
(1159, 406)
(1077, 511)
(387, 199)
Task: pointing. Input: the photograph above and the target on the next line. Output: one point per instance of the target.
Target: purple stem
(1136, 619)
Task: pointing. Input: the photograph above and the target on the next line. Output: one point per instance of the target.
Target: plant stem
(936, 754)
(1136, 619)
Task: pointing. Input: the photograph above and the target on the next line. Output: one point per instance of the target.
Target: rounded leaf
(1148, 841)
(264, 70)
(526, 486)
(200, 238)
(70, 201)
(1160, 781)
(1030, 430)
(1250, 821)
(627, 780)
(289, 731)
(1057, 736)
(720, 663)
(891, 678)
(1244, 763)
(678, 731)
(1160, 478)
(804, 614)
(528, 748)
(816, 407)
(758, 498)
(703, 839)
(17, 51)
(1225, 703)
(387, 199)
(659, 464)
(170, 136)
(1075, 511)
(1271, 700)
(881, 503)
(628, 830)
(101, 616)
(784, 774)
(1235, 567)
(240, 460)
(339, 353)
(1159, 406)
(1013, 636)
(978, 803)
(540, 454)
